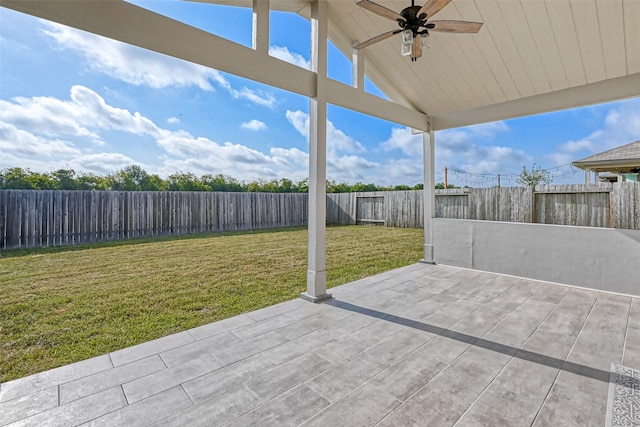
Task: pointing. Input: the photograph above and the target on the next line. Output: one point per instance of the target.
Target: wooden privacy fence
(30, 218)
(606, 205)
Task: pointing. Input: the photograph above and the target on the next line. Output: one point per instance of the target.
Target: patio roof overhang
(530, 57)
(615, 166)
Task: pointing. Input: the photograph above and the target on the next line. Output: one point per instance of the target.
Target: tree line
(135, 178)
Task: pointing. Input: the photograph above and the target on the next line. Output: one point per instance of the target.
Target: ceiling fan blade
(432, 7)
(416, 49)
(380, 10)
(376, 39)
(456, 26)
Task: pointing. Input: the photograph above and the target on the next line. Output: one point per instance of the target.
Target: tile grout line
(125, 395)
(343, 397)
(555, 379)
(287, 391)
(405, 326)
(249, 411)
(461, 354)
(227, 365)
(626, 332)
(181, 385)
(510, 359)
(438, 335)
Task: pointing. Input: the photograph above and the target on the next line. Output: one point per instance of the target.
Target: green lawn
(62, 305)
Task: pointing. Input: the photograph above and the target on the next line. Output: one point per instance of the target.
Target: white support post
(587, 176)
(316, 270)
(428, 143)
(260, 31)
(358, 69)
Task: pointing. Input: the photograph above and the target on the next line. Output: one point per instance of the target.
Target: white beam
(358, 69)
(580, 96)
(316, 269)
(357, 100)
(428, 144)
(260, 31)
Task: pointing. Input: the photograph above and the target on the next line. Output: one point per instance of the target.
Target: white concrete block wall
(598, 258)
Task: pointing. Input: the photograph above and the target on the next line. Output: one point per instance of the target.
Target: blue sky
(69, 99)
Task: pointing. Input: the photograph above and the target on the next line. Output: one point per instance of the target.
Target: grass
(62, 305)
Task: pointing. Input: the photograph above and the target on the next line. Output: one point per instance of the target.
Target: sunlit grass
(62, 305)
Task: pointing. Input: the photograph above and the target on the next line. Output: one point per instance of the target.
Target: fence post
(533, 204)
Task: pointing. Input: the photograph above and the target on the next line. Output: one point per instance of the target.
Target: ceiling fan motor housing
(413, 22)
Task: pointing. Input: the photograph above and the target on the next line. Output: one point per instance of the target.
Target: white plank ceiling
(525, 50)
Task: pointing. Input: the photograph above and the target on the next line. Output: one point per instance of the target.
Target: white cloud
(337, 140)
(403, 139)
(25, 144)
(103, 163)
(464, 148)
(254, 125)
(576, 146)
(351, 168)
(621, 126)
(142, 67)
(49, 116)
(255, 96)
(459, 150)
(300, 121)
(129, 63)
(173, 120)
(403, 171)
(44, 133)
(488, 130)
(282, 52)
(291, 157)
(82, 116)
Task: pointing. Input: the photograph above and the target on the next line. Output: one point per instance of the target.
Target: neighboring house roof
(619, 159)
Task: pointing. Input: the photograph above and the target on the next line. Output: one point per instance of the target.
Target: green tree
(534, 176)
(184, 182)
(155, 183)
(285, 186)
(18, 179)
(362, 187)
(302, 186)
(89, 181)
(65, 179)
(129, 178)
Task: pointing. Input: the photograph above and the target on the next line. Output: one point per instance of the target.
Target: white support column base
(305, 296)
(428, 255)
(316, 287)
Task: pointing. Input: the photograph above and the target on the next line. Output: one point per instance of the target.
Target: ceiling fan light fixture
(407, 42)
(414, 26)
(425, 43)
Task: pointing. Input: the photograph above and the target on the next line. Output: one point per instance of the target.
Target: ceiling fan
(414, 25)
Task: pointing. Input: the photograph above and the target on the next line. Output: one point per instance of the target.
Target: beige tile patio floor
(421, 345)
